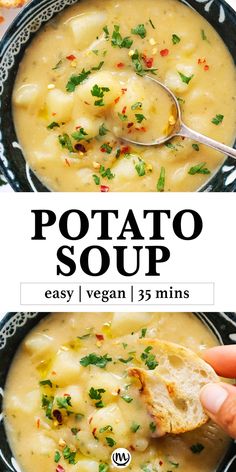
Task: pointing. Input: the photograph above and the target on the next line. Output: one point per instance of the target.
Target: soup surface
(81, 87)
(69, 401)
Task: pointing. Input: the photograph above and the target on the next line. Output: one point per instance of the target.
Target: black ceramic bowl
(12, 48)
(15, 326)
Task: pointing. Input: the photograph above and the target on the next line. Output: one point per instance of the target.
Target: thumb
(219, 401)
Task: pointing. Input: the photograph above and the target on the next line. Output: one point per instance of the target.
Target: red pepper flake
(57, 414)
(100, 337)
(206, 67)
(53, 114)
(38, 423)
(2, 19)
(148, 61)
(86, 103)
(94, 432)
(71, 57)
(117, 100)
(80, 148)
(132, 448)
(123, 90)
(67, 162)
(90, 420)
(202, 60)
(164, 52)
(125, 150)
(160, 462)
(60, 468)
(104, 188)
(78, 127)
(129, 125)
(120, 65)
(124, 110)
(142, 129)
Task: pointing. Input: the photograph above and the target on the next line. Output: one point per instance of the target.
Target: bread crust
(170, 399)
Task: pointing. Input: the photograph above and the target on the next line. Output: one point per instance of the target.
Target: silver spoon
(180, 129)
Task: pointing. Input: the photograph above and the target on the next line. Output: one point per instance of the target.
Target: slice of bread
(12, 3)
(171, 391)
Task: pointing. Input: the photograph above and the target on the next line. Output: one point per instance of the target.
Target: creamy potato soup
(81, 87)
(69, 401)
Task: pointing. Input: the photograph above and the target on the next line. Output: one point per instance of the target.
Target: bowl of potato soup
(67, 400)
(72, 86)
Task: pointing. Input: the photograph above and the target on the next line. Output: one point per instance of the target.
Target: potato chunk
(27, 95)
(112, 416)
(65, 369)
(86, 27)
(59, 105)
(27, 405)
(39, 345)
(126, 323)
(104, 79)
(86, 466)
(91, 447)
(77, 400)
(111, 383)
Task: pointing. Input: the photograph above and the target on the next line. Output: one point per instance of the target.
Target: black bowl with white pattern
(15, 326)
(12, 48)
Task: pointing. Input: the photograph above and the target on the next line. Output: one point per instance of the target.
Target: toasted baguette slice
(12, 3)
(171, 391)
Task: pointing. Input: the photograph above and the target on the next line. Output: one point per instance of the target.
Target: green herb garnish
(99, 66)
(53, 125)
(103, 130)
(127, 398)
(117, 39)
(149, 359)
(137, 106)
(57, 457)
(152, 427)
(151, 23)
(143, 333)
(125, 361)
(141, 168)
(199, 169)
(47, 405)
(76, 80)
(185, 78)
(74, 431)
(195, 147)
(103, 467)
(134, 427)
(106, 31)
(65, 142)
(123, 117)
(46, 383)
(175, 39)
(63, 402)
(96, 179)
(110, 442)
(217, 120)
(161, 181)
(106, 428)
(79, 135)
(69, 455)
(140, 30)
(93, 359)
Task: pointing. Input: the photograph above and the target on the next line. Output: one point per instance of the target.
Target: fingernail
(213, 397)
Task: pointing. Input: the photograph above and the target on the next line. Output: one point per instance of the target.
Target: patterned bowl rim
(11, 322)
(28, 22)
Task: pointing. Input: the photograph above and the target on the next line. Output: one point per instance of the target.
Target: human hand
(219, 400)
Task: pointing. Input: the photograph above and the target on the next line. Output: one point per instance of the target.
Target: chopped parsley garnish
(138, 66)
(140, 117)
(151, 23)
(46, 383)
(162, 180)
(85, 336)
(103, 467)
(79, 416)
(106, 31)
(69, 455)
(185, 79)
(145, 468)
(64, 402)
(171, 146)
(53, 125)
(47, 405)
(99, 66)
(93, 359)
(199, 169)
(127, 398)
(203, 35)
(110, 442)
(175, 39)
(141, 168)
(117, 39)
(76, 80)
(126, 361)
(152, 427)
(197, 448)
(106, 428)
(149, 359)
(123, 117)
(140, 30)
(143, 333)
(79, 135)
(134, 427)
(217, 120)
(106, 173)
(195, 147)
(57, 457)
(103, 130)
(99, 92)
(137, 106)
(65, 142)
(96, 394)
(74, 431)
(58, 65)
(96, 179)
(95, 51)
(174, 464)
(106, 148)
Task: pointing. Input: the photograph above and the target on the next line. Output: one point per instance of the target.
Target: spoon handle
(189, 133)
